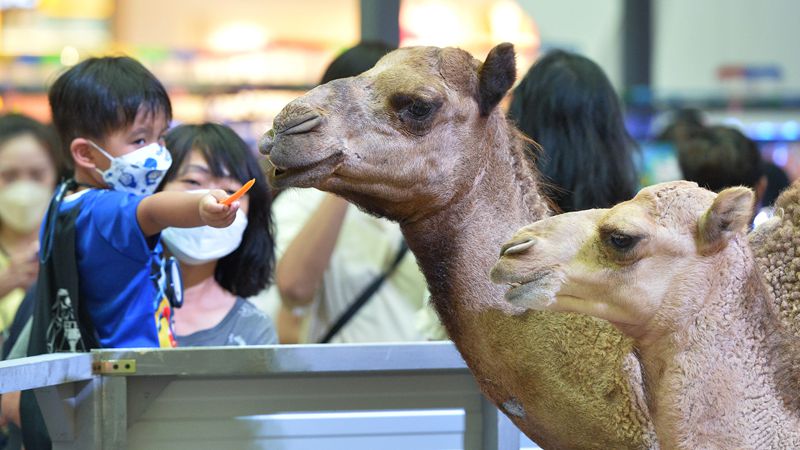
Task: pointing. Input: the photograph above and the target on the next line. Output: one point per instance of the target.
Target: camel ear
(729, 214)
(495, 77)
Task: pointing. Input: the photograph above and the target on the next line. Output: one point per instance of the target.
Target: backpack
(59, 322)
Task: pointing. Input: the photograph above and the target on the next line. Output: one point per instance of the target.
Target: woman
(29, 169)
(567, 105)
(220, 267)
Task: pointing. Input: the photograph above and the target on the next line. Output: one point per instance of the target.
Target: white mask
(23, 204)
(138, 172)
(195, 246)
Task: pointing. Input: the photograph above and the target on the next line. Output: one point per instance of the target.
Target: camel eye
(621, 241)
(420, 110)
(415, 112)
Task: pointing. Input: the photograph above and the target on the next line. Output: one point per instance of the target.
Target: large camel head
(640, 265)
(393, 139)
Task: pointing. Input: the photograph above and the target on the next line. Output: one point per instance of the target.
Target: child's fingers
(238, 194)
(230, 215)
(216, 208)
(212, 205)
(218, 194)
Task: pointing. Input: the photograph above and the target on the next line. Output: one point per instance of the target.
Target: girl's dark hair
(356, 60)
(14, 125)
(567, 105)
(248, 270)
(101, 95)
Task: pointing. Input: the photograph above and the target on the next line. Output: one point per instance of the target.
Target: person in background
(567, 105)
(331, 252)
(777, 181)
(682, 124)
(220, 267)
(717, 157)
(29, 169)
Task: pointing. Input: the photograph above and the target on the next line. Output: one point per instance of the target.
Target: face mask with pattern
(138, 172)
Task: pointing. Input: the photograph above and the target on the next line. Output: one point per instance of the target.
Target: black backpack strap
(365, 295)
(59, 322)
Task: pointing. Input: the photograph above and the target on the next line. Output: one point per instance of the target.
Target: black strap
(365, 295)
(58, 325)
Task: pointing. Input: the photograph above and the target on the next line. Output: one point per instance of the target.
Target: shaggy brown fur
(672, 269)
(776, 245)
(417, 141)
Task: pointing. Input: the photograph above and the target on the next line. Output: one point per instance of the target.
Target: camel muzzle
(299, 124)
(266, 142)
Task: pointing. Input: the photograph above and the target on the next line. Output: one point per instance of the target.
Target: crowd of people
(114, 221)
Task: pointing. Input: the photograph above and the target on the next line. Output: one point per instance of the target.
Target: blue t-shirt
(115, 264)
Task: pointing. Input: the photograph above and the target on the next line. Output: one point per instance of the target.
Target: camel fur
(775, 245)
(419, 139)
(672, 268)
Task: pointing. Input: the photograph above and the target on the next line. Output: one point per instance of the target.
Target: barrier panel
(334, 396)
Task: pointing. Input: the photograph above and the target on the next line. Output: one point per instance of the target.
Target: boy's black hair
(567, 104)
(14, 125)
(718, 157)
(102, 95)
(247, 270)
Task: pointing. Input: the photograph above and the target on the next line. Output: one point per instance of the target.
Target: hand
(22, 270)
(10, 408)
(215, 214)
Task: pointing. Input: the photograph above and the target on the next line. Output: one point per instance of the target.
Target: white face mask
(23, 204)
(138, 172)
(195, 246)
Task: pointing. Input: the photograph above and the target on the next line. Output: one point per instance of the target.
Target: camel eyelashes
(621, 241)
(416, 113)
(413, 108)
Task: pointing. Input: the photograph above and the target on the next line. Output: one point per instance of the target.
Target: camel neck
(457, 246)
(715, 377)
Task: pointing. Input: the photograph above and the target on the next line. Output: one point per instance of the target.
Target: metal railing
(418, 395)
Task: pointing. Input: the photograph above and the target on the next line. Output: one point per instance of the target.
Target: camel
(672, 268)
(419, 139)
(775, 245)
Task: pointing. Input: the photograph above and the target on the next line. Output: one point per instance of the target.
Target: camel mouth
(304, 175)
(535, 292)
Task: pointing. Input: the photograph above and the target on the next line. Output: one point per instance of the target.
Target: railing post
(499, 433)
(114, 406)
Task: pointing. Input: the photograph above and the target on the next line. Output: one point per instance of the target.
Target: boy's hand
(214, 213)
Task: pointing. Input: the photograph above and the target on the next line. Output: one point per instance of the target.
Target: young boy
(111, 114)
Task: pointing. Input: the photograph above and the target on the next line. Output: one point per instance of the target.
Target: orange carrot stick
(238, 194)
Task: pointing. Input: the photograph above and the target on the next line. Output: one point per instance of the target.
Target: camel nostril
(300, 124)
(265, 144)
(517, 246)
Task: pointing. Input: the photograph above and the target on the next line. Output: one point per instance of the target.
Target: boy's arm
(184, 210)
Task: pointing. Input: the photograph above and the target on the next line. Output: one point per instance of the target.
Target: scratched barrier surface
(335, 396)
